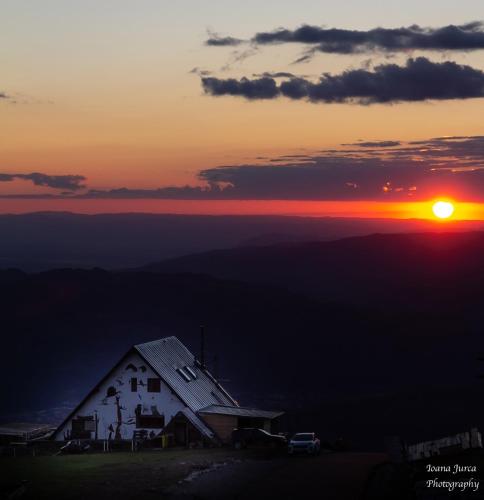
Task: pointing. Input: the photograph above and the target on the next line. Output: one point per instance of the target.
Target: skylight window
(191, 371)
(184, 374)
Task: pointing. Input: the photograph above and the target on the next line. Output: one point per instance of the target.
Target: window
(90, 425)
(150, 421)
(154, 385)
(134, 384)
(82, 427)
(191, 371)
(184, 374)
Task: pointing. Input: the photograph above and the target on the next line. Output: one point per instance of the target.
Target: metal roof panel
(168, 355)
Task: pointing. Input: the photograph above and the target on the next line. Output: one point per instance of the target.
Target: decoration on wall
(111, 391)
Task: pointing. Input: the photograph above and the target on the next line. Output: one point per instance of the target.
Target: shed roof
(25, 430)
(239, 411)
(169, 358)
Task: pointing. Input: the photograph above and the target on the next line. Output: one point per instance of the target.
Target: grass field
(109, 475)
(165, 474)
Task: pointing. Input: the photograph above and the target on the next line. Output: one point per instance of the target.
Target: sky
(191, 106)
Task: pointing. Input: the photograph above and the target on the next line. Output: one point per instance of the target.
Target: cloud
(419, 80)
(236, 56)
(64, 182)
(259, 88)
(199, 71)
(166, 193)
(276, 74)
(465, 37)
(239, 56)
(375, 144)
(408, 171)
(215, 40)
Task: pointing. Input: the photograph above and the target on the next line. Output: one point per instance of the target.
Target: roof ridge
(159, 340)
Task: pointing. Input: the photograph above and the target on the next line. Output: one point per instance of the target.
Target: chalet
(160, 388)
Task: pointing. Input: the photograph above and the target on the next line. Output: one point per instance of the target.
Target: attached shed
(160, 388)
(224, 419)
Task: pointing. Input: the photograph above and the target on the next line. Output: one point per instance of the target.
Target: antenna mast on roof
(202, 346)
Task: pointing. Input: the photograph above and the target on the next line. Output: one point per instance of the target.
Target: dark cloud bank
(464, 37)
(367, 170)
(419, 80)
(64, 182)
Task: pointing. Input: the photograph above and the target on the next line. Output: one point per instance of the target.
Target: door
(180, 433)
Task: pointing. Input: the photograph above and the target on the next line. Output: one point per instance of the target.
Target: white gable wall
(107, 408)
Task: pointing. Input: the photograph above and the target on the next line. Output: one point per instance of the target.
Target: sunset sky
(202, 107)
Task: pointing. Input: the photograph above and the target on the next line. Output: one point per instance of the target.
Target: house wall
(113, 405)
(222, 425)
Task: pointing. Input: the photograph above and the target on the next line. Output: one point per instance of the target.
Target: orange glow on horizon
(360, 209)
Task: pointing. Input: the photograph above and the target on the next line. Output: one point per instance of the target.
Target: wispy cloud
(375, 144)
(217, 40)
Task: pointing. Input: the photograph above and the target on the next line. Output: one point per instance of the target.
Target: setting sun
(443, 209)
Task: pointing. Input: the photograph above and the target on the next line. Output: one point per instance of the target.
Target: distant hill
(47, 240)
(419, 271)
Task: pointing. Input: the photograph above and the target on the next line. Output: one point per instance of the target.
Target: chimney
(202, 346)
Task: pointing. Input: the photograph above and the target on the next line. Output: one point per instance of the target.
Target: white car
(304, 442)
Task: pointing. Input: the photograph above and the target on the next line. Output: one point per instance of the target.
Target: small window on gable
(134, 384)
(191, 371)
(184, 374)
(154, 385)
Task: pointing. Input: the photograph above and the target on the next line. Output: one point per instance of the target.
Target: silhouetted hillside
(419, 271)
(41, 241)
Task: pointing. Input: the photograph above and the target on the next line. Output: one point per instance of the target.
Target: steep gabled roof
(177, 366)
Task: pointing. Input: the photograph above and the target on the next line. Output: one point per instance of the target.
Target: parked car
(304, 442)
(241, 438)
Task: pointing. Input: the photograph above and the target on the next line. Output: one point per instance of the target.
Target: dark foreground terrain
(201, 474)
